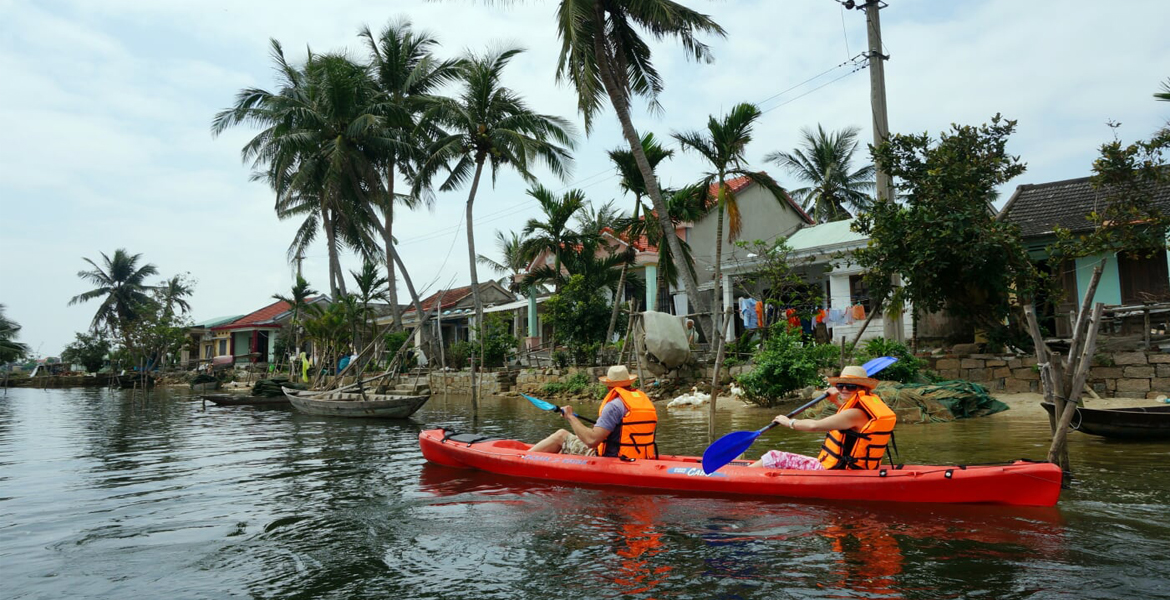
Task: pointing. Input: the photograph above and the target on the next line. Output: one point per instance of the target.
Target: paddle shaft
(799, 410)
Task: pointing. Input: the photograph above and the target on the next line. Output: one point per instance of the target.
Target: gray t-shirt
(612, 415)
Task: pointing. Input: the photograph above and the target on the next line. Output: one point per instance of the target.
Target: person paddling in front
(858, 432)
(626, 424)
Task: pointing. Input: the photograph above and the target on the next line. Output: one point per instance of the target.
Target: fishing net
(928, 402)
(271, 387)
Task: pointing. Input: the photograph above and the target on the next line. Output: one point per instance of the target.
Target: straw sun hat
(618, 375)
(856, 375)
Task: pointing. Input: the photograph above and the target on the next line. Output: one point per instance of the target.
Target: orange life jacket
(634, 438)
(849, 449)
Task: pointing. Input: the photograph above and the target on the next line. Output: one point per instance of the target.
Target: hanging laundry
(836, 317)
(743, 306)
(760, 314)
(793, 319)
(821, 314)
(858, 312)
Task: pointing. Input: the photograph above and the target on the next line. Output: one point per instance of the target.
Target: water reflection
(107, 495)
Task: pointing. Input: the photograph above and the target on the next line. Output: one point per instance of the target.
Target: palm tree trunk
(475, 278)
(619, 295)
(410, 290)
(622, 109)
(388, 239)
(717, 315)
(330, 240)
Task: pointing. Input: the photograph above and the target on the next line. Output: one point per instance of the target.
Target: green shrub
(460, 353)
(577, 383)
(785, 364)
(498, 344)
(904, 371)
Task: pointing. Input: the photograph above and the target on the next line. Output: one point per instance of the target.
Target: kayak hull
(1020, 483)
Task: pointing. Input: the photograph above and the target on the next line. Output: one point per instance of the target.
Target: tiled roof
(642, 244)
(264, 315)
(450, 297)
(1039, 209)
(740, 183)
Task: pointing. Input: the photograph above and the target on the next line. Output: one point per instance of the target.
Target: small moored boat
(1137, 423)
(353, 404)
(1020, 483)
(241, 400)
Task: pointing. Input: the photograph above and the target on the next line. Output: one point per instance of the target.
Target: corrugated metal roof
(825, 235)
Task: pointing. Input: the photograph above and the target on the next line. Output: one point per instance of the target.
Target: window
(1143, 278)
(222, 347)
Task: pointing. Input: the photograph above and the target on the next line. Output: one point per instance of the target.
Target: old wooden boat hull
(240, 400)
(347, 404)
(1137, 423)
(1020, 483)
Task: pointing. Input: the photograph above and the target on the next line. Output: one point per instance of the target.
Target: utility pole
(893, 326)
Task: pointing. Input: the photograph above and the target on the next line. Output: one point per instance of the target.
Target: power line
(858, 68)
(814, 77)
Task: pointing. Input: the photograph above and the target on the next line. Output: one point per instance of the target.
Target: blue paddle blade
(541, 404)
(726, 448)
(878, 364)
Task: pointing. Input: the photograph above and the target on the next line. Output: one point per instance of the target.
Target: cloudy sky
(105, 143)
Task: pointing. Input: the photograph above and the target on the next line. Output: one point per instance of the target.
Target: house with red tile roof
(763, 218)
(252, 337)
(451, 311)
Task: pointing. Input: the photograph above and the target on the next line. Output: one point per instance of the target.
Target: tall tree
(298, 300)
(173, 293)
(371, 286)
(10, 349)
(1164, 95)
(121, 286)
(944, 240)
(406, 73)
(603, 55)
(512, 258)
(723, 146)
(633, 183)
(321, 148)
(489, 124)
(553, 234)
(824, 162)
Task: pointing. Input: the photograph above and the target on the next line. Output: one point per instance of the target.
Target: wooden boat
(353, 404)
(1019, 483)
(241, 400)
(1137, 423)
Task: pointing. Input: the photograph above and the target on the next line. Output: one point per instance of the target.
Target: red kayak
(1020, 483)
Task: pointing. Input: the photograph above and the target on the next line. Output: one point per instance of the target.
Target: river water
(108, 495)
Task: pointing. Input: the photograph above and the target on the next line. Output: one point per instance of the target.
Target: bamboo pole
(1060, 438)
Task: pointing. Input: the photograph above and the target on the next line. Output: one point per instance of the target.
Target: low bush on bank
(906, 370)
(577, 383)
(786, 363)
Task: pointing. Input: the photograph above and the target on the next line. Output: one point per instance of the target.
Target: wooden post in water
(715, 379)
(1063, 382)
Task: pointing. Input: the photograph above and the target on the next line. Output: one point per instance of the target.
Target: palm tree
(632, 182)
(603, 55)
(489, 124)
(172, 294)
(371, 286)
(723, 146)
(593, 221)
(406, 74)
(321, 147)
(512, 258)
(1165, 94)
(10, 349)
(121, 284)
(301, 292)
(823, 162)
(554, 234)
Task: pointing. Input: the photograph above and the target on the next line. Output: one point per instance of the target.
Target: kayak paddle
(726, 448)
(542, 405)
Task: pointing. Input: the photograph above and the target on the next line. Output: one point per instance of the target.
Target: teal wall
(1109, 289)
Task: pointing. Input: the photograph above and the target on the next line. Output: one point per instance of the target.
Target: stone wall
(459, 382)
(1117, 375)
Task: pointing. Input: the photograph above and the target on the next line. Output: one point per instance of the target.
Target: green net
(928, 402)
(271, 387)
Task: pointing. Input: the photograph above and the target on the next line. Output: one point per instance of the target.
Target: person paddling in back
(626, 424)
(857, 433)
